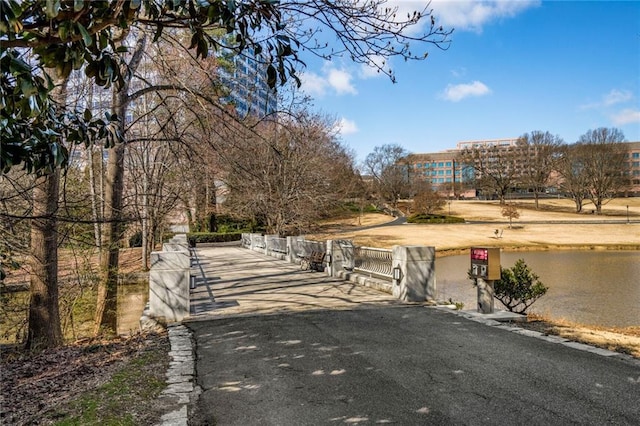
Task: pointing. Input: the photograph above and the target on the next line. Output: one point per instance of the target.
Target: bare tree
(605, 164)
(426, 200)
(293, 180)
(572, 168)
(495, 168)
(537, 157)
(106, 308)
(510, 211)
(68, 35)
(390, 171)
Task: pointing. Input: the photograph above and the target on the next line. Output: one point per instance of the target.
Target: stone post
(253, 241)
(169, 282)
(348, 254)
(268, 244)
(290, 255)
(485, 296)
(414, 269)
(339, 259)
(332, 258)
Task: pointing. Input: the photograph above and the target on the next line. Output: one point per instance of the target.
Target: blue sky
(513, 67)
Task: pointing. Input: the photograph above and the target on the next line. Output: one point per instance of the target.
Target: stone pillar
(290, 255)
(253, 241)
(485, 296)
(348, 254)
(181, 240)
(169, 280)
(167, 260)
(341, 252)
(414, 273)
(268, 243)
(332, 257)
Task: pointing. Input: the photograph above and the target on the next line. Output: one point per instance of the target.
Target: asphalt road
(405, 365)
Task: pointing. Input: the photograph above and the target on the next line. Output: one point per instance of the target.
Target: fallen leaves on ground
(33, 385)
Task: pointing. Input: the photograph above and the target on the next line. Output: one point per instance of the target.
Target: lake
(588, 287)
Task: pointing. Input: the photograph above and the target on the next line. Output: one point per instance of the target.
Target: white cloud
(347, 127)
(313, 84)
(371, 70)
(459, 72)
(626, 116)
(457, 92)
(340, 81)
(617, 96)
(318, 85)
(614, 97)
(472, 15)
(463, 15)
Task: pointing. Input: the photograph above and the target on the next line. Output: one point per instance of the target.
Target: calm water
(590, 287)
(132, 299)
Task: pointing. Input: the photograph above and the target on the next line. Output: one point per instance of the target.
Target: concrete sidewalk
(233, 281)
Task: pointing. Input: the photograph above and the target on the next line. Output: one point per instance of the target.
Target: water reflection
(132, 299)
(595, 288)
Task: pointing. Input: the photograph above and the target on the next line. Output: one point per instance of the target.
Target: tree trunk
(94, 200)
(44, 329)
(107, 303)
(106, 310)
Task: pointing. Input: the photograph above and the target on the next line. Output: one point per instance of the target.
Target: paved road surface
(381, 362)
(401, 365)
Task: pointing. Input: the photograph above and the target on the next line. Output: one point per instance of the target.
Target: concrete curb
(499, 317)
(181, 377)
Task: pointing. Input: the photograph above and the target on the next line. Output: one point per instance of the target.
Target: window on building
(441, 164)
(449, 172)
(448, 164)
(441, 172)
(636, 155)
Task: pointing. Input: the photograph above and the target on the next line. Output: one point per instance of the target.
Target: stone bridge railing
(170, 280)
(407, 272)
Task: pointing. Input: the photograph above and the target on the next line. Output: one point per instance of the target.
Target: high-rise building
(247, 80)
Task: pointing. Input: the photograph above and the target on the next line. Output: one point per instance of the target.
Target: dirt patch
(71, 263)
(72, 381)
(624, 340)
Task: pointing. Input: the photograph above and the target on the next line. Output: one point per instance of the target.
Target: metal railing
(373, 261)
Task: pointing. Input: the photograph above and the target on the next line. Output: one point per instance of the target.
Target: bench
(313, 261)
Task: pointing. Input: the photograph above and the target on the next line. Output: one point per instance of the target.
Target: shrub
(212, 237)
(136, 239)
(518, 287)
(434, 218)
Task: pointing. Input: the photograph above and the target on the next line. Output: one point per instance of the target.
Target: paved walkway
(232, 280)
(331, 352)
